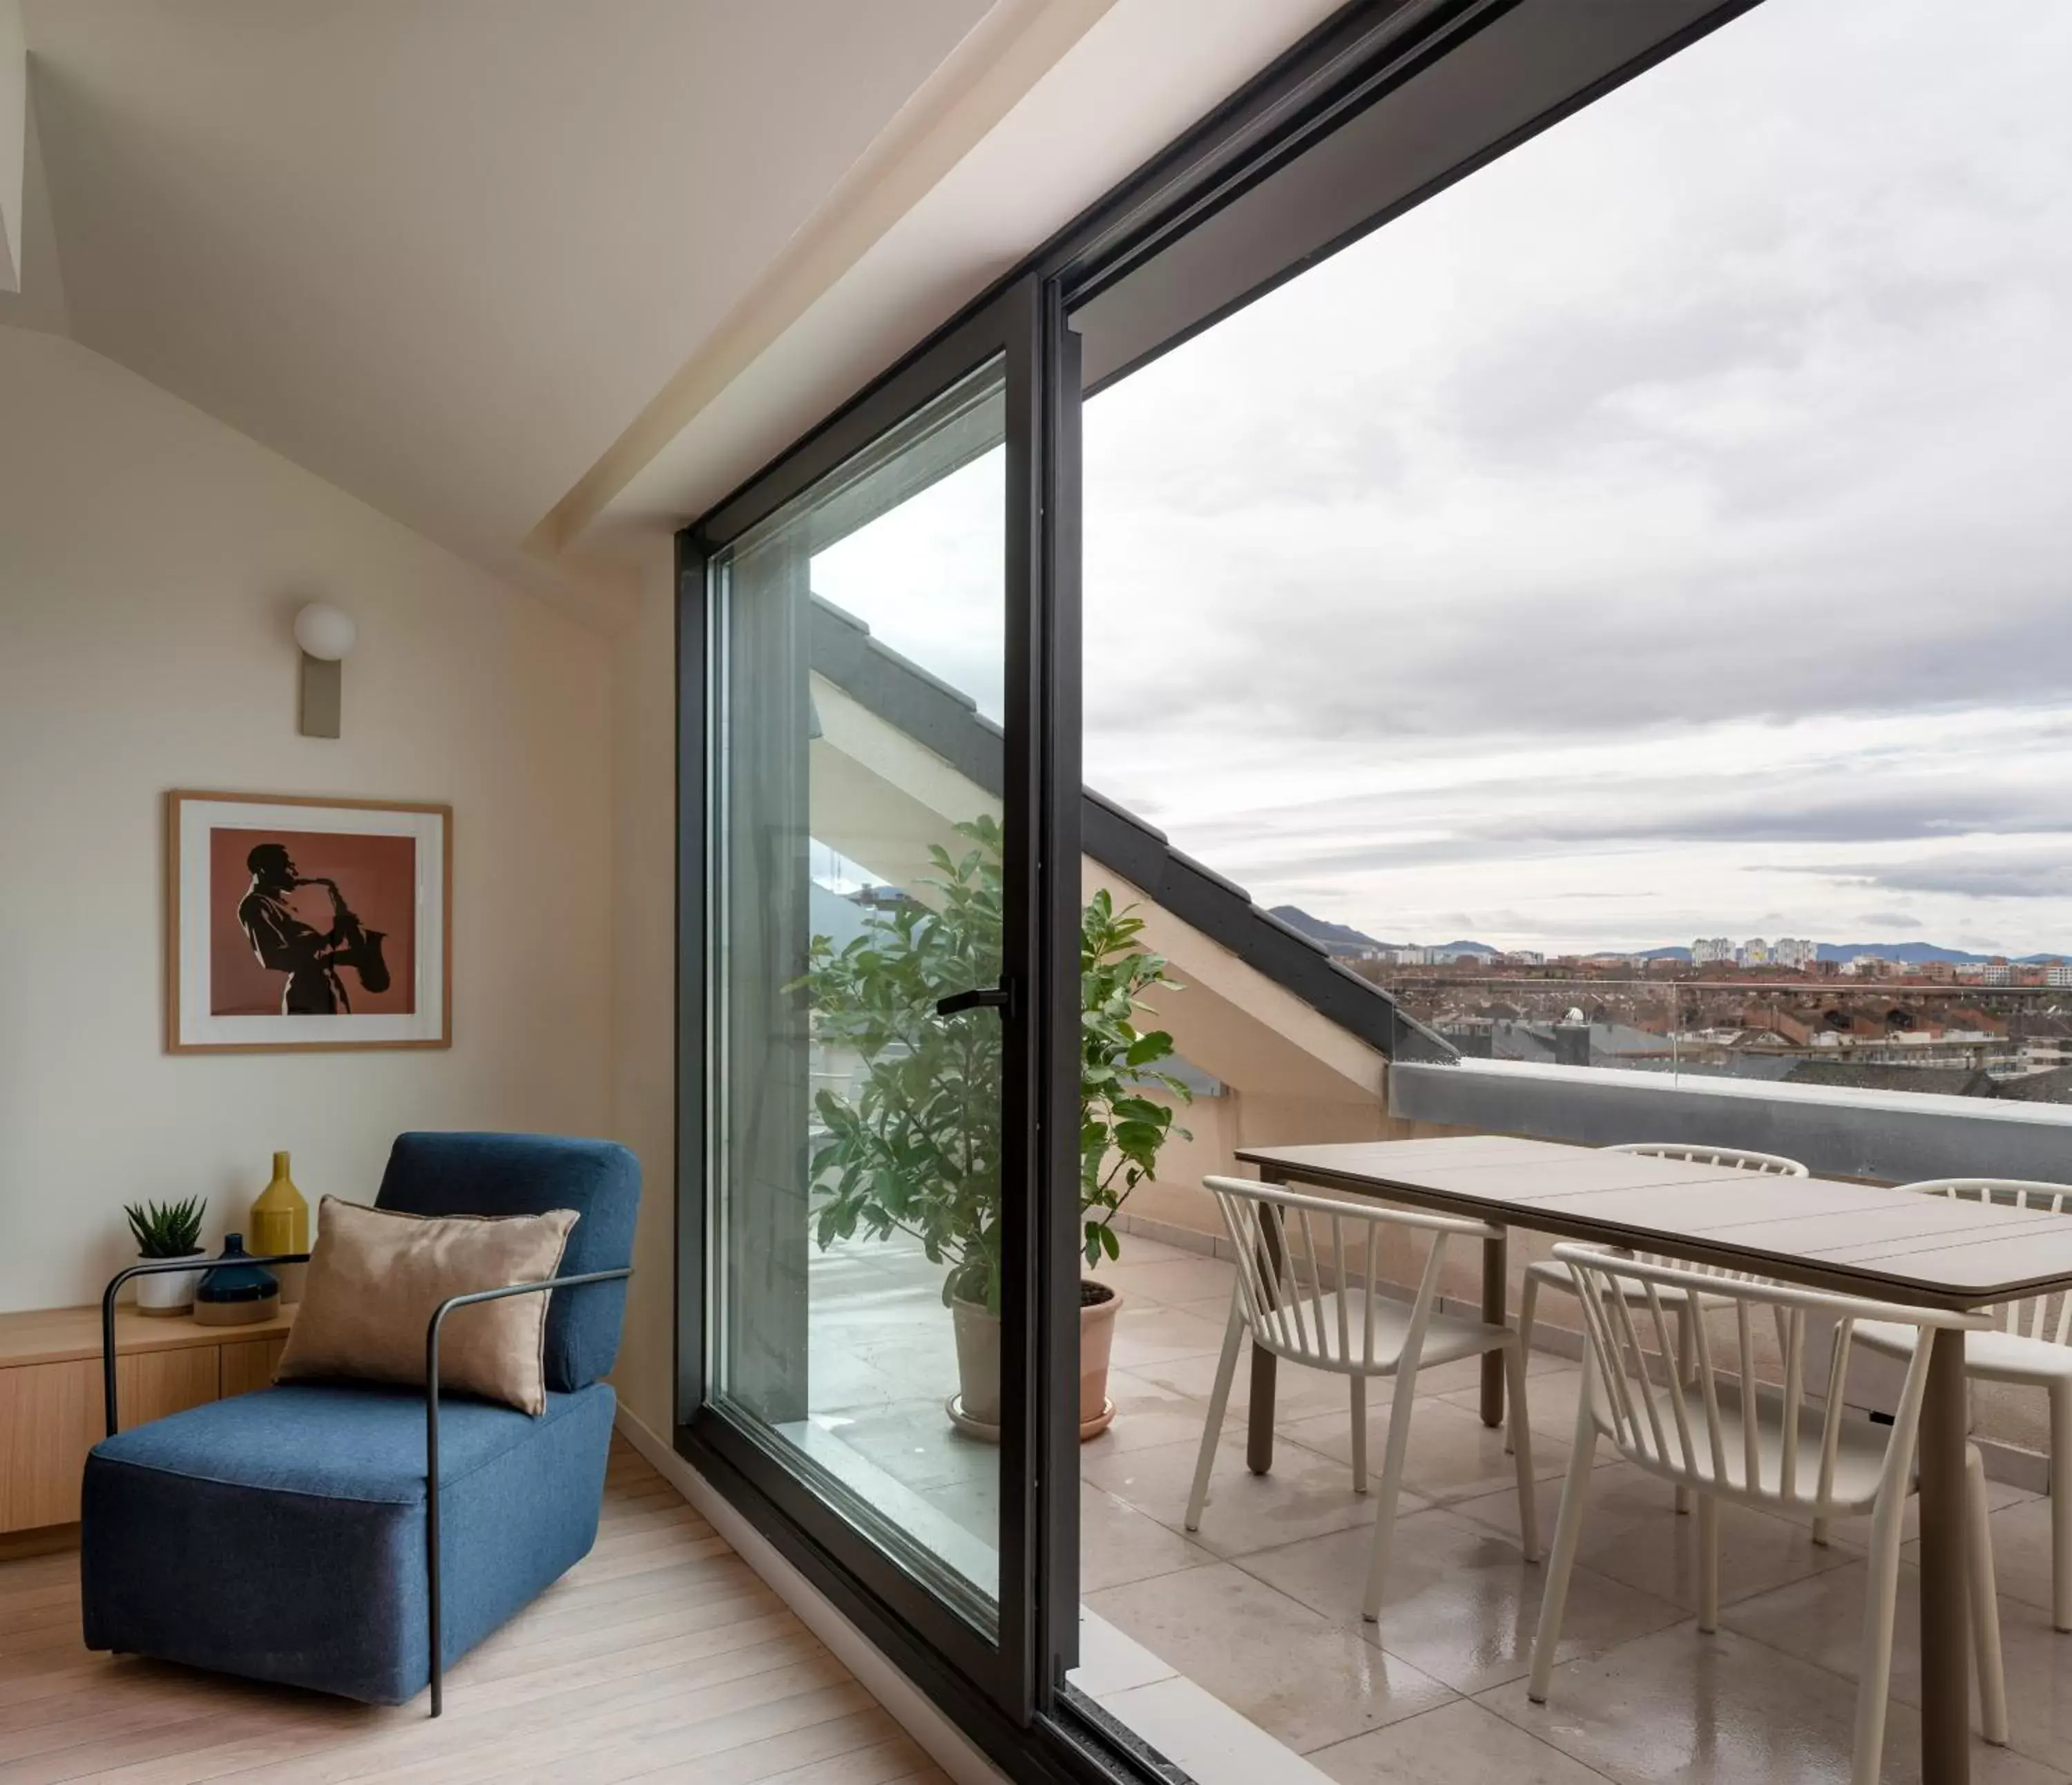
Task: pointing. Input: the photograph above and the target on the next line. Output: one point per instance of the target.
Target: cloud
(2032, 879)
(1673, 504)
(1889, 920)
(1478, 821)
(1663, 526)
(1764, 433)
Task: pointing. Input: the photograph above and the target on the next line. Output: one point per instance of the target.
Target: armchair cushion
(280, 1535)
(530, 1175)
(376, 1276)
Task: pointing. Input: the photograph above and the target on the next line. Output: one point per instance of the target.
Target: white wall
(643, 1053)
(150, 560)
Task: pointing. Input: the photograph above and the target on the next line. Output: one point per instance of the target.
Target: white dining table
(1867, 1239)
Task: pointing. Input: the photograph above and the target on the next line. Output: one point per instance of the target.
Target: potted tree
(911, 1143)
(166, 1230)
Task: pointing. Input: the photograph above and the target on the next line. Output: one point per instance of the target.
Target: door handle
(981, 998)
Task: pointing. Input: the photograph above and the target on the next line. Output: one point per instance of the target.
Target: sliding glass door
(880, 858)
(882, 640)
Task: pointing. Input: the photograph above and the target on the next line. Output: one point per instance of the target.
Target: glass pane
(1689, 613)
(856, 1244)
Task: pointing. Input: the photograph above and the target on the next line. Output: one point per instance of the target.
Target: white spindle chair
(1303, 1267)
(1549, 1273)
(2030, 1347)
(1713, 1427)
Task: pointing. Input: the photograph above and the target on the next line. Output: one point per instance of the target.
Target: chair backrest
(1304, 1264)
(1735, 1158)
(529, 1174)
(1689, 1432)
(2042, 1317)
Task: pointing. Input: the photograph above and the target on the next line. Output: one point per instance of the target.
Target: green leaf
(907, 1143)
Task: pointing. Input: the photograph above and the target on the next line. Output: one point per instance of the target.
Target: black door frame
(1018, 1710)
(1019, 327)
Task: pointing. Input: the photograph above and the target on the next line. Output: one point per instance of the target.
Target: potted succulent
(166, 1230)
(912, 1145)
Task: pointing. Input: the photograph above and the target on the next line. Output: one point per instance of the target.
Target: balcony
(1238, 1650)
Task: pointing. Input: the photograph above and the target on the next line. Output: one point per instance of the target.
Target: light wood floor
(660, 1656)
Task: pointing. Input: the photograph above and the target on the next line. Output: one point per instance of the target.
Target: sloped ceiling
(538, 278)
(1090, 106)
(440, 253)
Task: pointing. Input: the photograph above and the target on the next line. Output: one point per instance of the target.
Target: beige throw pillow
(376, 1276)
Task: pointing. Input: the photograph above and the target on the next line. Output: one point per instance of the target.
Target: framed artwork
(302, 924)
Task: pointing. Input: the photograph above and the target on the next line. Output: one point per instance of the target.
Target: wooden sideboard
(51, 1412)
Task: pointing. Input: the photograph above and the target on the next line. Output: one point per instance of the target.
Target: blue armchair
(360, 1538)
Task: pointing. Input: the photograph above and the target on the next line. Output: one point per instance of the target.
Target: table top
(1859, 1239)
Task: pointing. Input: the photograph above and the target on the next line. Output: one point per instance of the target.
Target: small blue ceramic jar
(233, 1290)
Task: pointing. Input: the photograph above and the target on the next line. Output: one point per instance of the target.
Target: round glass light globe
(325, 632)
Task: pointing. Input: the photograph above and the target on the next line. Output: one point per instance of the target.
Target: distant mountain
(1906, 953)
(1342, 936)
(1912, 954)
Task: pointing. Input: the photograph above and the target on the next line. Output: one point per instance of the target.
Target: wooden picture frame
(296, 924)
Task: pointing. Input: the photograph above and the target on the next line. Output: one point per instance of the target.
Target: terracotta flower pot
(976, 1407)
(978, 1363)
(1096, 1341)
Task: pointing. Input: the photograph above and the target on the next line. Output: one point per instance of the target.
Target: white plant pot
(168, 1292)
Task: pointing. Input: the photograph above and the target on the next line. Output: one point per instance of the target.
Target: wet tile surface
(1458, 1744)
(1300, 1675)
(1722, 1710)
(1632, 1532)
(1460, 1602)
(1239, 1651)
(1453, 1455)
(2021, 1547)
(1306, 1495)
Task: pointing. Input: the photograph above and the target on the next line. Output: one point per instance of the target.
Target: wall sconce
(326, 634)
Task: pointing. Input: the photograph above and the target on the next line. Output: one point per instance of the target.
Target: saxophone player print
(317, 949)
(297, 924)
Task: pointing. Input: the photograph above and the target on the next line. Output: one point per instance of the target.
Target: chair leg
(1521, 1450)
(2061, 1506)
(1822, 1528)
(1684, 1364)
(1985, 1604)
(1567, 1529)
(1391, 1482)
(1527, 1300)
(1881, 1596)
(1359, 1433)
(1709, 1563)
(1212, 1427)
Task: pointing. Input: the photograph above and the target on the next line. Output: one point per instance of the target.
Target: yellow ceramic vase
(280, 1222)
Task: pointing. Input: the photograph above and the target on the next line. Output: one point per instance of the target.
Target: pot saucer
(990, 1434)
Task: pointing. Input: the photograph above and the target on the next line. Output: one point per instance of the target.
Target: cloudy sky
(1667, 531)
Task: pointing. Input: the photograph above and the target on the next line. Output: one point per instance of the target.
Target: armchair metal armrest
(438, 1658)
(153, 1268)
